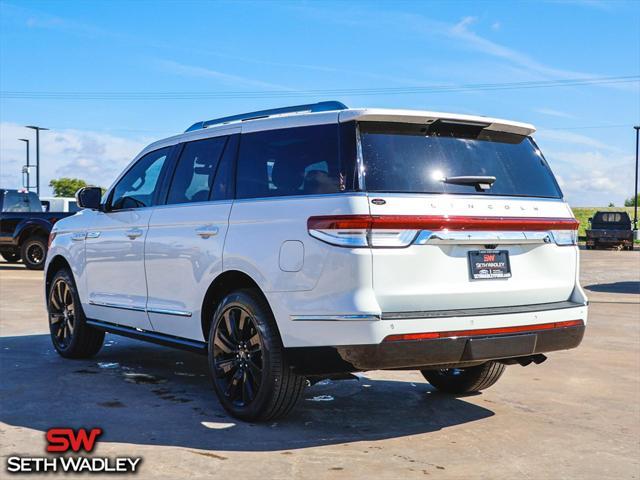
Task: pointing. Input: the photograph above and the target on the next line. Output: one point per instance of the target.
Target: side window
(223, 183)
(196, 170)
(137, 188)
(291, 161)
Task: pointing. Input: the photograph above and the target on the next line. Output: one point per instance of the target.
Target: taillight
(396, 231)
(52, 235)
(359, 231)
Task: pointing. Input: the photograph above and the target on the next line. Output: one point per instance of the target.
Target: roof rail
(311, 107)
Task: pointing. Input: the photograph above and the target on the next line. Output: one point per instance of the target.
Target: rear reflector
(483, 331)
(401, 230)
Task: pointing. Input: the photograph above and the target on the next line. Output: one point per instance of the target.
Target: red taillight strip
(440, 222)
(483, 331)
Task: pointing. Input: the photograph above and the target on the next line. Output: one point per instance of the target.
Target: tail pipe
(524, 361)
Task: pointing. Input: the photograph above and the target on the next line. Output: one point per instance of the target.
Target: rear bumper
(417, 354)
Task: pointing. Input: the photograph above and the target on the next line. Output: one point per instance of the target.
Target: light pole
(37, 129)
(635, 196)
(27, 165)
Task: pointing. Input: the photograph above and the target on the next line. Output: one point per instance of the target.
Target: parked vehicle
(610, 229)
(315, 241)
(59, 204)
(24, 228)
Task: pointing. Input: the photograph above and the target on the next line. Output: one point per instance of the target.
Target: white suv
(311, 242)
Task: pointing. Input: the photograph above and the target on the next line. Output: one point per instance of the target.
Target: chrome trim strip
(161, 311)
(335, 318)
(483, 311)
(93, 234)
(116, 305)
(164, 311)
(479, 237)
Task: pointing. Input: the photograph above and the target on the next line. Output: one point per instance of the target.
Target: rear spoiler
(424, 117)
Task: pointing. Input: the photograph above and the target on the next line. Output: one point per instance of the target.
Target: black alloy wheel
(237, 356)
(247, 361)
(34, 252)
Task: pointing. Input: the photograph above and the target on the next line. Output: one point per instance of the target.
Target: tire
(11, 257)
(33, 252)
(465, 380)
(70, 334)
(248, 369)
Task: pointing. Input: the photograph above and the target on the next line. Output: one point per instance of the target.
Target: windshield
(449, 158)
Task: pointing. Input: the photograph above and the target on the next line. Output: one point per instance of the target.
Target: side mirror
(89, 197)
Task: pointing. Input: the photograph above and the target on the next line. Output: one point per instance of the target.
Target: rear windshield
(412, 158)
(15, 201)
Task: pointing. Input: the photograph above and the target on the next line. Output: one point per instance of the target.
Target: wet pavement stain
(209, 454)
(143, 378)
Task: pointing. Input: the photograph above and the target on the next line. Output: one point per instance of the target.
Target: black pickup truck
(610, 229)
(24, 228)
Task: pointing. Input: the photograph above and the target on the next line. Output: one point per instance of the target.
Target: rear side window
(418, 158)
(196, 170)
(291, 161)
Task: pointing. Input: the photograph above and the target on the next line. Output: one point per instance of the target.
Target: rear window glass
(411, 158)
(15, 201)
(291, 161)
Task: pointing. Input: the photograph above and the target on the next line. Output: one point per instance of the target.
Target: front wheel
(465, 380)
(246, 360)
(70, 334)
(33, 252)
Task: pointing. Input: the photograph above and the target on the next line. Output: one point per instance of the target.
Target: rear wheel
(246, 360)
(465, 380)
(11, 257)
(33, 252)
(71, 336)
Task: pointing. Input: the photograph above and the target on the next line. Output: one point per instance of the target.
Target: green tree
(66, 187)
(629, 201)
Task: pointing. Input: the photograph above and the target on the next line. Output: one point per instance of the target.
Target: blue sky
(85, 52)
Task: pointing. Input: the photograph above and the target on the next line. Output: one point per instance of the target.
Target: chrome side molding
(161, 311)
(335, 318)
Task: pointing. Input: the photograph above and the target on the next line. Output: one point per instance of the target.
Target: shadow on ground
(616, 287)
(12, 266)
(145, 394)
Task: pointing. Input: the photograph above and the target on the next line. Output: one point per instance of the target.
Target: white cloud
(229, 79)
(93, 156)
(564, 137)
(554, 113)
(496, 26)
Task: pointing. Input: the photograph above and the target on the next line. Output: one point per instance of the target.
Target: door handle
(134, 233)
(207, 231)
(78, 236)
